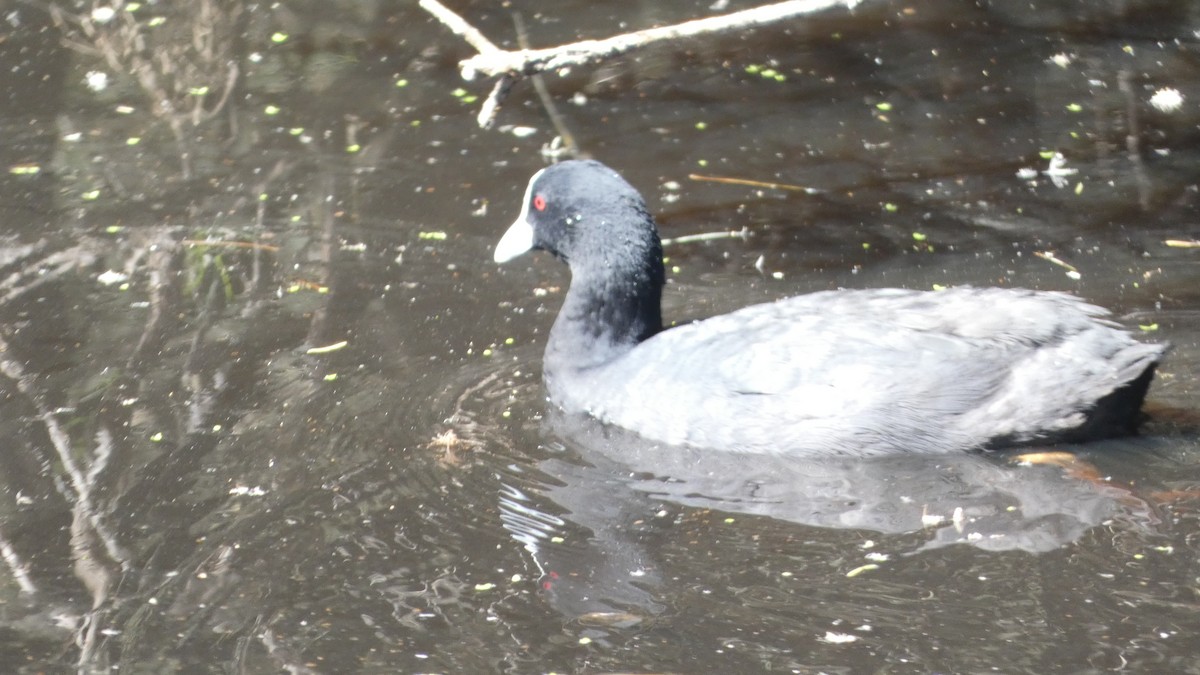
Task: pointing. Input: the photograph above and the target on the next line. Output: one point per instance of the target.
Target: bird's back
(876, 372)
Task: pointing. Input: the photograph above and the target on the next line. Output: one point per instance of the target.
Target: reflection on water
(268, 406)
(610, 481)
(968, 498)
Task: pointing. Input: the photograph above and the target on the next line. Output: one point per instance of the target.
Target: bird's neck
(605, 314)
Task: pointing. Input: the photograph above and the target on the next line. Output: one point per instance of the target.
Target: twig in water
(539, 85)
(1049, 256)
(1182, 243)
(743, 234)
(755, 183)
(230, 244)
(1133, 136)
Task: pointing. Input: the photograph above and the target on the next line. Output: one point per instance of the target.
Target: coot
(847, 372)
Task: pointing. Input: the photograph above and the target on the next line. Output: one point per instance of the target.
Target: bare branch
(460, 27)
(492, 61)
(539, 86)
(510, 66)
(491, 106)
(80, 482)
(20, 571)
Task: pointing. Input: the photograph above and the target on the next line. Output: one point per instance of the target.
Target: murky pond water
(268, 404)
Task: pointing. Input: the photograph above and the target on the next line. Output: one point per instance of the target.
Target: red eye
(539, 203)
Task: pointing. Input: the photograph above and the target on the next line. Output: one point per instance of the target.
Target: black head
(584, 213)
(588, 216)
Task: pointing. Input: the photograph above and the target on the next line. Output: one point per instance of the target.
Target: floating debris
(1062, 60)
(930, 519)
(1182, 243)
(610, 619)
(860, 569)
(1167, 99)
(109, 277)
(1058, 170)
(96, 80)
(464, 96)
(1049, 256)
(103, 14)
(766, 72)
(446, 439)
(328, 348)
(247, 491)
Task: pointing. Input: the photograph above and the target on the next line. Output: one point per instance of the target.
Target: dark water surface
(267, 404)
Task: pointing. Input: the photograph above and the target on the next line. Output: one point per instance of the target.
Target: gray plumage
(834, 373)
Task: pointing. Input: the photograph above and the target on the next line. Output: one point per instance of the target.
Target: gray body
(834, 373)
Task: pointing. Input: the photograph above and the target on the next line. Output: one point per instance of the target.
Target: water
(284, 413)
